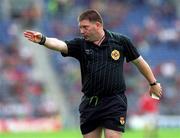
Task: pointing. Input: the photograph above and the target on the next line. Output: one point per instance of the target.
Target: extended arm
(146, 71)
(51, 43)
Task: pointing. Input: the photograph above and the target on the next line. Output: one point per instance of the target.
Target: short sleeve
(74, 48)
(130, 51)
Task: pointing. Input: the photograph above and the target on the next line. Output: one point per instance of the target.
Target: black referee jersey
(102, 66)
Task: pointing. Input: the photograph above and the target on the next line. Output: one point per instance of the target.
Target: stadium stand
(154, 27)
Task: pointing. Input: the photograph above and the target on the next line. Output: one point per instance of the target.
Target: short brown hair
(91, 15)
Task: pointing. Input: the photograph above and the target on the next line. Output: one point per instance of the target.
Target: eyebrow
(83, 25)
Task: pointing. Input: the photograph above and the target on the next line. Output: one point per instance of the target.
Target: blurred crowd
(21, 93)
(153, 26)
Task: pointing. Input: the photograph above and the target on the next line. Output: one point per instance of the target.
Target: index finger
(29, 32)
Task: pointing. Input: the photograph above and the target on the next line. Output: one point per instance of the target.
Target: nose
(82, 31)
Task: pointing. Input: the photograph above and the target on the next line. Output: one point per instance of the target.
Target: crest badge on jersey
(115, 54)
(122, 120)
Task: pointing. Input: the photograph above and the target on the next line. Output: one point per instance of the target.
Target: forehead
(85, 22)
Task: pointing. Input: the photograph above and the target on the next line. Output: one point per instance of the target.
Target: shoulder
(117, 36)
(79, 39)
(75, 41)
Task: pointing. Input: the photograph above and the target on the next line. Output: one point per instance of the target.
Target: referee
(101, 54)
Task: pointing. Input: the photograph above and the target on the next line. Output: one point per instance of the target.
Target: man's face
(89, 30)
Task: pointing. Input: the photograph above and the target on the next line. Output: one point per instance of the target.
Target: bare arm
(56, 44)
(146, 71)
(51, 43)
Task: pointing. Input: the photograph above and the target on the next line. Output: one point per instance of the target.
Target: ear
(98, 24)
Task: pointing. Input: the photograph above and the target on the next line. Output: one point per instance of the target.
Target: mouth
(85, 37)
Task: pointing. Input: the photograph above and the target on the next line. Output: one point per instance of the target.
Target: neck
(100, 38)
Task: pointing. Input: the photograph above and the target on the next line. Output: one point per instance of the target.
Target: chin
(87, 39)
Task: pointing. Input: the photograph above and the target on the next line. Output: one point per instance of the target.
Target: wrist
(153, 83)
(43, 40)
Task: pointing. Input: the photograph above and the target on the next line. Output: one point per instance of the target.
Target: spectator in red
(148, 109)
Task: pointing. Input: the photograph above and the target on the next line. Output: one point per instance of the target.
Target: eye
(86, 27)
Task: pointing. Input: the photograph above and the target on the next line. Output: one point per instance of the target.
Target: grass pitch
(162, 133)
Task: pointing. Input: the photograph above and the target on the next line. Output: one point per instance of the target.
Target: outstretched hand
(33, 36)
(156, 90)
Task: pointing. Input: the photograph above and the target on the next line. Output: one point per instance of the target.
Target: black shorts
(106, 112)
